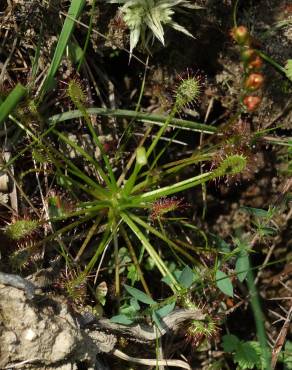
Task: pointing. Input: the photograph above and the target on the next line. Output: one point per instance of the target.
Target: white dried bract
(144, 15)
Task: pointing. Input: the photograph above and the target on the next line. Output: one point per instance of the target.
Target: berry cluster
(252, 63)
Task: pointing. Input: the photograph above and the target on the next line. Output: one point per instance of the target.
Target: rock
(40, 332)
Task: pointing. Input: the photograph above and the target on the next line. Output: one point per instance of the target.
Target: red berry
(254, 81)
(252, 102)
(240, 34)
(255, 63)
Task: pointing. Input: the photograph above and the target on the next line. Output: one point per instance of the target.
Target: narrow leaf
(68, 27)
(134, 303)
(165, 310)
(157, 320)
(139, 295)
(242, 265)
(11, 101)
(223, 282)
(187, 277)
(122, 319)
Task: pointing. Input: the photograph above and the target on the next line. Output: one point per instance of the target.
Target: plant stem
(259, 320)
(235, 13)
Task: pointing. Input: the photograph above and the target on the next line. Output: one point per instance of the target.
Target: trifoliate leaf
(230, 343)
(246, 356)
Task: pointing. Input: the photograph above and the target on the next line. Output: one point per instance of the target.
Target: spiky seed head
(21, 229)
(197, 331)
(188, 91)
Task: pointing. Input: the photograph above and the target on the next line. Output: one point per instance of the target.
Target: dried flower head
(148, 18)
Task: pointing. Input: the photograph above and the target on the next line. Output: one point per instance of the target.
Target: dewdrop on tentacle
(188, 90)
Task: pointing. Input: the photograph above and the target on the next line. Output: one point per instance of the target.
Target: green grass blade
(35, 63)
(91, 212)
(90, 187)
(160, 132)
(163, 237)
(106, 240)
(68, 27)
(150, 249)
(88, 237)
(88, 35)
(94, 188)
(138, 116)
(85, 155)
(64, 229)
(100, 191)
(101, 148)
(11, 101)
